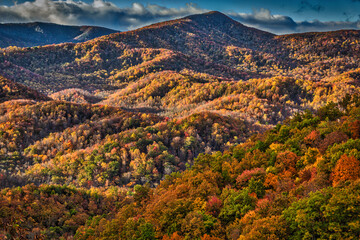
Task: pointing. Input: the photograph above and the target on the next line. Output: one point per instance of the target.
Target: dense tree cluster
(93, 145)
(277, 185)
(10, 91)
(48, 212)
(297, 180)
(92, 155)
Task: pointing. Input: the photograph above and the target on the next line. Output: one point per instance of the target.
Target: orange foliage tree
(347, 168)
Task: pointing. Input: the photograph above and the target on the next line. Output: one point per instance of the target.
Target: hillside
(276, 185)
(309, 165)
(48, 138)
(38, 34)
(10, 91)
(75, 95)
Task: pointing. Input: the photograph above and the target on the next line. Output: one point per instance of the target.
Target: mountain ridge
(210, 43)
(41, 33)
(213, 22)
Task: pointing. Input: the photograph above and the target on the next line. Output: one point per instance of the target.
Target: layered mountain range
(218, 60)
(195, 128)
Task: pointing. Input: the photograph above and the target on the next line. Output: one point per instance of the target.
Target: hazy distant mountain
(37, 34)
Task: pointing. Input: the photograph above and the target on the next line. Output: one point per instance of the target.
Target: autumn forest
(197, 128)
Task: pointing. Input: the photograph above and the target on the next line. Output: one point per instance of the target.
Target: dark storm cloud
(107, 14)
(306, 5)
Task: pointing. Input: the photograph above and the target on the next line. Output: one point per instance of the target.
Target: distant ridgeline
(38, 34)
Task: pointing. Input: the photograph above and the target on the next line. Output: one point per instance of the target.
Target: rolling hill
(10, 90)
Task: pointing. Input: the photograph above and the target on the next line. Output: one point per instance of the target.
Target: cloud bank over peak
(264, 20)
(107, 14)
(99, 12)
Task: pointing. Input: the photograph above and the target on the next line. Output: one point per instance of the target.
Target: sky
(279, 17)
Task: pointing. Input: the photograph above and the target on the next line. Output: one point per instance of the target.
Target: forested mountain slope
(10, 90)
(307, 167)
(211, 43)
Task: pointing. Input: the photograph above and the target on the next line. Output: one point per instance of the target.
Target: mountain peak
(219, 19)
(207, 29)
(215, 13)
(212, 16)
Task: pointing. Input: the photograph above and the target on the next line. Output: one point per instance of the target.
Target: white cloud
(263, 19)
(98, 12)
